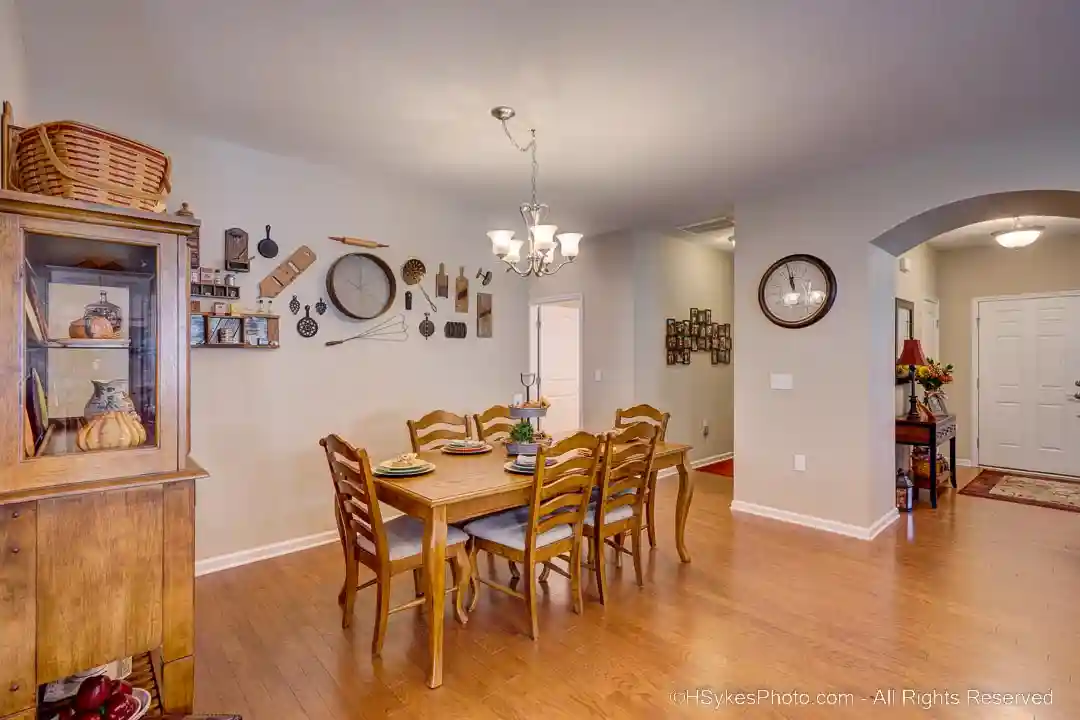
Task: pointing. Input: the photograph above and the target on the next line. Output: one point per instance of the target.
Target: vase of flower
(933, 377)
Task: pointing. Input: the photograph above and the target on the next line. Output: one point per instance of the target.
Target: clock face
(797, 291)
(361, 285)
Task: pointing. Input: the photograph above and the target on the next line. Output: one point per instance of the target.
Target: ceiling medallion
(542, 240)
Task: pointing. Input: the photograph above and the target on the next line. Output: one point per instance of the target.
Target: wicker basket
(81, 162)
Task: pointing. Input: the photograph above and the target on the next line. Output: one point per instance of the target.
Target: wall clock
(797, 291)
(361, 286)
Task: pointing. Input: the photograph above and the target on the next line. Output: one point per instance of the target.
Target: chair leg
(575, 576)
(382, 614)
(635, 535)
(544, 572)
(619, 541)
(460, 569)
(514, 573)
(347, 596)
(474, 577)
(418, 581)
(530, 599)
(650, 509)
(599, 566)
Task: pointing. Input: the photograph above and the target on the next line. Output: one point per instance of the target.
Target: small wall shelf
(250, 331)
(210, 291)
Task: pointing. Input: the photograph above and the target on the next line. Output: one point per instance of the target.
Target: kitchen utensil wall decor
(267, 247)
(461, 296)
(320, 307)
(300, 260)
(294, 305)
(483, 315)
(361, 286)
(390, 330)
(236, 250)
(442, 282)
(413, 272)
(427, 328)
(456, 330)
(408, 299)
(483, 277)
(306, 326)
(358, 242)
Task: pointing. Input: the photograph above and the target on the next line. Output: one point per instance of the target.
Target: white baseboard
(236, 559)
(702, 462)
(839, 528)
(963, 462)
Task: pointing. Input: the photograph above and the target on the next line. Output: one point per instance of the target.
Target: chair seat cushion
(620, 513)
(508, 528)
(405, 537)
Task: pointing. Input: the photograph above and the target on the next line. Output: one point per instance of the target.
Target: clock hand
(790, 277)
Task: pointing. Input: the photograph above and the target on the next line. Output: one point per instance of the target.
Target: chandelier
(540, 255)
(1019, 236)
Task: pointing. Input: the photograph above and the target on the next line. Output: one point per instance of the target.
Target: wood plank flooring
(979, 594)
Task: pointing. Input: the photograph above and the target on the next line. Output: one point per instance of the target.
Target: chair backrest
(493, 424)
(359, 521)
(561, 491)
(628, 461)
(436, 429)
(643, 413)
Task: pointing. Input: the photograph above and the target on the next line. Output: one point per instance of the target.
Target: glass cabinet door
(91, 345)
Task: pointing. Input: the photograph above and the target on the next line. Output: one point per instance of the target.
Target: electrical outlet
(800, 463)
(704, 428)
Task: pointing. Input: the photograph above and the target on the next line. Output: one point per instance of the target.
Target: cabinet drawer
(18, 533)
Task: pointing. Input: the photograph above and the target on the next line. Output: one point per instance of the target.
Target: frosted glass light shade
(1018, 238)
(568, 243)
(500, 241)
(544, 237)
(514, 253)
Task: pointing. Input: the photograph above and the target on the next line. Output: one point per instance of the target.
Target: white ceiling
(649, 111)
(979, 234)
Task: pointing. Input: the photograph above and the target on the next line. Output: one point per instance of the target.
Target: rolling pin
(358, 242)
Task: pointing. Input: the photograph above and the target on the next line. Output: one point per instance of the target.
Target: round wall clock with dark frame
(361, 286)
(797, 291)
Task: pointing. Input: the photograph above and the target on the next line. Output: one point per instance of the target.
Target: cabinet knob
(14, 687)
(15, 515)
(15, 550)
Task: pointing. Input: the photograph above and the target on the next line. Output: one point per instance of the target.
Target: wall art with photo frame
(698, 333)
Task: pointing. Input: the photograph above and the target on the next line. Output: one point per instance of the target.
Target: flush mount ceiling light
(1018, 236)
(541, 237)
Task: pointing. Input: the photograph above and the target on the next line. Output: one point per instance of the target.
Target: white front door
(1029, 364)
(559, 364)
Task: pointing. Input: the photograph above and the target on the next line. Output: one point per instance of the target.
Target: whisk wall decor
(392, 329)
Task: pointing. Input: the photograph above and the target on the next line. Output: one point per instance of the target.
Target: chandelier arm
(511, 266)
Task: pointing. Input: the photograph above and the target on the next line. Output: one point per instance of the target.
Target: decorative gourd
(111, 431)
(94, 326)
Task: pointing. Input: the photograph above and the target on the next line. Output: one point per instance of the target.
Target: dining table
(463, 487)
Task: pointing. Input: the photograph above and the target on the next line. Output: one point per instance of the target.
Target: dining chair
(649, 414)
(386, 547)
(436, 429)
(549, 527)
(620, 506)
(494, 424)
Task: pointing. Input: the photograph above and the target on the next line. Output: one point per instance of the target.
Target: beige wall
(630, 283)
(963, 274)
(918, 285)
(12, 74)
(257, 417)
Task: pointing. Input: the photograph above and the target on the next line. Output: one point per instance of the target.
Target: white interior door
(557, 362)
(1029, 364)
(927, 327)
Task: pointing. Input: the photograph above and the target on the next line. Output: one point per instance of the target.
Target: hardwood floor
(978, 594)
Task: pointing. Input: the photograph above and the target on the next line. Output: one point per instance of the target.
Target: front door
(1029, 370)
(558, 359)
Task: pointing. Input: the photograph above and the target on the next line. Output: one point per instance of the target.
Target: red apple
(88, 715)
(93, 693)
(119, 687)
(121, 707)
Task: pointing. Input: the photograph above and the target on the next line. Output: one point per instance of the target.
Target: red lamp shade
(911, 353)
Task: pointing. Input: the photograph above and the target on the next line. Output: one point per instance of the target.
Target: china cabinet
(97, 492)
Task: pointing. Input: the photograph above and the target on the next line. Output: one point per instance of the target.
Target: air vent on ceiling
(709, 226)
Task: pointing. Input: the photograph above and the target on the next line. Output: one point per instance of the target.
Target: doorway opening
(555, 356)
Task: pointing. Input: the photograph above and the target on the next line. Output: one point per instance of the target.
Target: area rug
(724, 467)
(1026, 489)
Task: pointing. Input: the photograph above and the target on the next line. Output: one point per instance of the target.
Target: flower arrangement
(932, 376)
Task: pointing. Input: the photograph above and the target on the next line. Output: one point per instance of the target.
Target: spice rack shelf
(210, 291)
(250, 331)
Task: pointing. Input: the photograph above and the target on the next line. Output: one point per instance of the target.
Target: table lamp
(911, 355)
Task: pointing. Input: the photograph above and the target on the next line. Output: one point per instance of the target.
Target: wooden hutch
(97, 492)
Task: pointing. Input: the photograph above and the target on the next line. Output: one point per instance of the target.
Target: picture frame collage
(698, 333)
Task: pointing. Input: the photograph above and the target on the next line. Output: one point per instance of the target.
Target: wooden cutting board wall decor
(483, 315)
(442, 282)
(236, 251)
(283, 275)
(461, 299)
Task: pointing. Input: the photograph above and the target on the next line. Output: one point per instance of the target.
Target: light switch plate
(598, 375)
(800, 463)
(781, 381)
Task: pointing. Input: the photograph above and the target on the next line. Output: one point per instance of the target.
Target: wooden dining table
(466, 487)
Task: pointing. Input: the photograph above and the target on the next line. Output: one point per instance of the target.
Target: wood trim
(11, 316)
(178, 571)
(177, 685)
(18, 578)
(192, 471)
(42, 206)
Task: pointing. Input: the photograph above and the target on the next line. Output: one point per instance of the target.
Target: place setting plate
(407, 465)
(517, 467)
(466, 447)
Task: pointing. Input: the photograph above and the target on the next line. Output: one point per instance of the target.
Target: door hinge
(976, 443)
(977, 383)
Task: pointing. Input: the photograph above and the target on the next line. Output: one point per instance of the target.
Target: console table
(930, 434)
